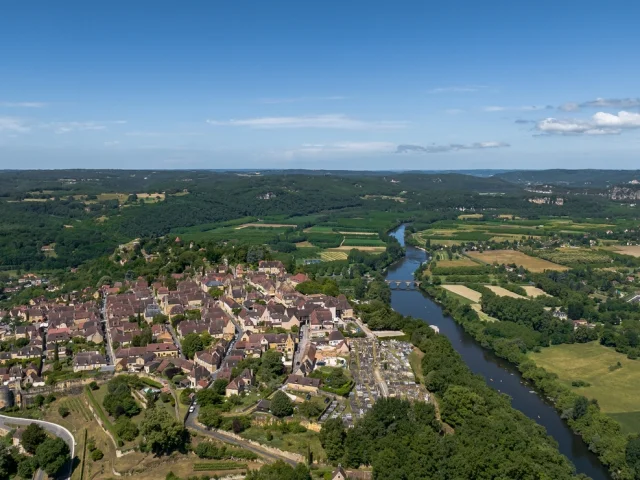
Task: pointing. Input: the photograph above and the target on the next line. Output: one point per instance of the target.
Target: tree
(209, 416)
(8, 463)
(162, 433)
(575, 309)
(580, 407)
(255, 253)
(270, 365)
(26, 468)
(38, 400)
(220, 386)
(310, 409)
(460, 403)
(332, 437)
(97, 455)
(191, 344)
(118, 400)
(216, 292)
(51, 455)
(280, 471)
(126, 429)
(33, 436)
(632, 452)
(281, 405)
(171, 283)
(63, 411)
(208, 397)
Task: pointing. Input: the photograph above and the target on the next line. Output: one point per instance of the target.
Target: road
(53, 428)
(365, 329)
(191, 423)
(176, 340)
(304, 339)
(112, 358)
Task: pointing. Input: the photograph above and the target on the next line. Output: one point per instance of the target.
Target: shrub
(63, 411)
(580, 383)
(97, 455)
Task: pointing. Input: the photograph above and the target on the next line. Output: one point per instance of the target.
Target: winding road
(53, 428)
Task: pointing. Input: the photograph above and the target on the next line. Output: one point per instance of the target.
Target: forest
(84, 214)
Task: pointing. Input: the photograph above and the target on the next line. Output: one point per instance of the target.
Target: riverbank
(603, 435)
(502, 376)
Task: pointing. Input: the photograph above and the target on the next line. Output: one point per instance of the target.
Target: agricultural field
(483, 316)
(503, 292)
(457, 262)
(535, 292)
(442, 260)
(508, 257)
(473, 228)
(632, 250)
(333, 255)
(464, 292)
(362, 242)
(265, 225)
(319, 229)
(617, 390)
(304, 244)
(370, 249)
(576, 256)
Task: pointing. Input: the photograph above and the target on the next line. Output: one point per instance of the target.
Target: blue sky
(324, 85)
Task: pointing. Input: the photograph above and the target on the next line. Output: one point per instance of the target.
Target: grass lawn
(617, 392)
(291, 442)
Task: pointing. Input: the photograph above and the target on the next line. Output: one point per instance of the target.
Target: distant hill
(571, 178)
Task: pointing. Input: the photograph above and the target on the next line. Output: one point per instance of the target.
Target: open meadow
(535, 292)
(503, 292)
(617, 390)
(465, 292)
(507, 257)
(633, 250)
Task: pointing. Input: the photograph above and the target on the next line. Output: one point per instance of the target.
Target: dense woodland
(79, 212)
(404, 440)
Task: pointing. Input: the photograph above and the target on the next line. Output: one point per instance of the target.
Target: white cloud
(453, 111)
(330, 121)
(453, 147)
(569, 107)
(67, 127)
(524, 108)
(601, 123)
(612, 103)
(12, 124)
(622, 119)
(336, 149)
(601, 103)
(23, 104)
(302, 99)
(457, 89)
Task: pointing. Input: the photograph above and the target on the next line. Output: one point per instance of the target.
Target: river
(498, 373)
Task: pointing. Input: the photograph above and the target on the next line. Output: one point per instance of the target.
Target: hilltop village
(217, 325)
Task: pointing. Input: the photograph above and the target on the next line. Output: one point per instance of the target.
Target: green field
(502, 229)
(362, 242)
(617, 391)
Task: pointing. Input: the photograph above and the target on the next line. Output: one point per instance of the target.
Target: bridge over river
(403, 284)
